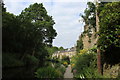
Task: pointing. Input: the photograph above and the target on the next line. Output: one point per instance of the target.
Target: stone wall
(85, 38)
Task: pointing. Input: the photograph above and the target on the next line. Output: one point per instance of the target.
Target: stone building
(89, 41)
(68, 53)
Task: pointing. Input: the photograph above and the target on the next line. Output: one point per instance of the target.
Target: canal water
(19, 72)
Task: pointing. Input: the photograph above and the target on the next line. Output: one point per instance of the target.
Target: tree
(52, 49)
(28, 33)
(61, 48)
(89, 15)
(37, 15)
(38, 30)
(109, 40)
(10, 31)
(41, 30)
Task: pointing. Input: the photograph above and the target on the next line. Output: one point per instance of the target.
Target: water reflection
(19, 72)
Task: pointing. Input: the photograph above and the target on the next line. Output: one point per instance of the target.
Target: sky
(66, 14)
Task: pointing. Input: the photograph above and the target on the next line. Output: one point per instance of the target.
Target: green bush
(30, 60)
(11, 60)
(109, 32)
(86, 64)
(57, 65)
(65, 61)
(61, 69)
(47, 72)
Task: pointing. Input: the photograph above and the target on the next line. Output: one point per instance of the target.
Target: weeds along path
(68, 73)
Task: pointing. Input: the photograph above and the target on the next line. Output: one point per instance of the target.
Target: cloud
(49, 0)
(15, 7)
(67, 23)
(65, 14)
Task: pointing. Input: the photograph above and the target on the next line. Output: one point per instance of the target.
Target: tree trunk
(22, 57)
(33, 53)
(99, 63)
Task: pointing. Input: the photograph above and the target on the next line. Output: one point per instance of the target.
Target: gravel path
(68, 73)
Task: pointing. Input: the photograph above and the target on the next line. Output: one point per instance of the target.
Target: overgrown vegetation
(28, 34)
(85, 64)
(109, 33)
(53, 70)
(48, 72)
(10, 60)
(79, 44)
(108, 43)
(27, 40)
(89, 17)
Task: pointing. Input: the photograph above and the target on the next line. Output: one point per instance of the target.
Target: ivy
(79, 44)
(109, 40)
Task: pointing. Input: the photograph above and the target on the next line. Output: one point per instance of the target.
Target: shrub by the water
(11, 60)
(31, 60)
(48, 72)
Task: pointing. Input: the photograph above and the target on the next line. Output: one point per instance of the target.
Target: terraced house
(68, 53)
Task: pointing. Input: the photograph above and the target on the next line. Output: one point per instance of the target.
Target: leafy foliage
(109, 40)
(61, 48)
(60, 67)
(79, 45)
(30, 60)
(65, 59)
(48, 72)
(85, 64)
(90, 21)
(42, 23)
(10, 32)
(52, 49)
(89, 15)
(11, 60)
(28, 33)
